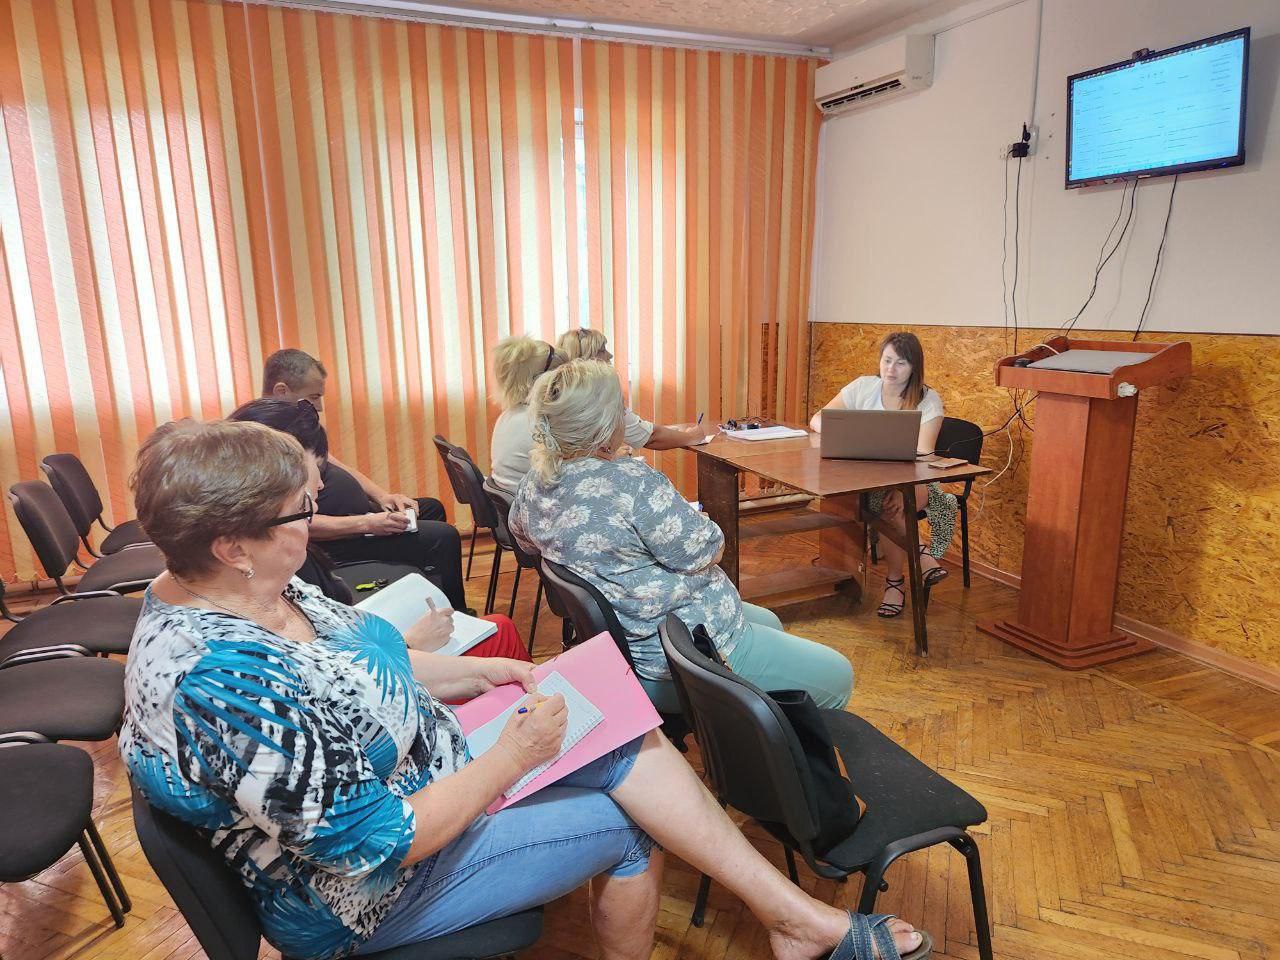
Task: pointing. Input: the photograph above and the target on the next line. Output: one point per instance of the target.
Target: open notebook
(404, 603)
(583, 718)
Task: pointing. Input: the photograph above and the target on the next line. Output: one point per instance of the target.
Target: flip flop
(869, 933)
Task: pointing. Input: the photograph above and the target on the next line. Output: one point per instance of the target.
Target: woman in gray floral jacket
(623, 527)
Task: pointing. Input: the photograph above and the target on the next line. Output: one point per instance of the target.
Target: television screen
(1167, 112)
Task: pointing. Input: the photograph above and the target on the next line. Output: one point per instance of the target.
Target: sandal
(868, 938)
(936, 575)
(888, 610)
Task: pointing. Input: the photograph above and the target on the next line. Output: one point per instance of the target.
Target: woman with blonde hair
(621, 525)
(587, 344)
(901, 386)
(307, 743)
(517, 363)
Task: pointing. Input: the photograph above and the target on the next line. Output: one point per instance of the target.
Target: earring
(248, 574)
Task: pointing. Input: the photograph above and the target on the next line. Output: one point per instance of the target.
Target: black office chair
(53, 534)
(61, 692)
(502, 501)
(591, 614)
(5, 612)
(755, 764)
(464, 472)
(957, 438)
(460, 491)
(363, 572)
(102, 623)
(76, 489)
(217, 907)
(46, 806)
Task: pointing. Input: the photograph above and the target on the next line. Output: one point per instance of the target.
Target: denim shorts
(531, 853)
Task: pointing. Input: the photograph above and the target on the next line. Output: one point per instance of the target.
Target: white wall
(909, 192)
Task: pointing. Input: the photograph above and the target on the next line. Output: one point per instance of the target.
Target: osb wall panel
(1201, 543)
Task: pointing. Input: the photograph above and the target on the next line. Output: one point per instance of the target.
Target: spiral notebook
(583, 718)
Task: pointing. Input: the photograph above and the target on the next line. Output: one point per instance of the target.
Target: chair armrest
(86, 595)
(135, 546)
(60, 651)
(19, 738)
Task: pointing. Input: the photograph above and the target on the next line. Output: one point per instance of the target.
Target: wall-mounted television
(1163, 112)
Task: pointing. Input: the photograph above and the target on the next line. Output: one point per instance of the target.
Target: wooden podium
(1075, 506)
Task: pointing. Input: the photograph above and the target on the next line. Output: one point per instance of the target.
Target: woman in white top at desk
(517, 362)
(901, 386)
(588, 344)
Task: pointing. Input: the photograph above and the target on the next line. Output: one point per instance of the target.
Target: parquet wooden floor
(1134, 809)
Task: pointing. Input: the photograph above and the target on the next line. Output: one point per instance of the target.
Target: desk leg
(919, 611)
(718, 494)
(845, 547)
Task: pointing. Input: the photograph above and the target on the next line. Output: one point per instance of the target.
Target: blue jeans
(531, 853)
(773, 659)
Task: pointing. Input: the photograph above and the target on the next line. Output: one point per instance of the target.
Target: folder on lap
(597, 671)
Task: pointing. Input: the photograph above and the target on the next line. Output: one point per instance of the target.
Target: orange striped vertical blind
(186, 186)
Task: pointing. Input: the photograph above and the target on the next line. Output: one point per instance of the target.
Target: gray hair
(573, 411)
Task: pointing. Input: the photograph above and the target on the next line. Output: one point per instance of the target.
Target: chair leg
(872, 887)
(7, 613)
(566, 633)
(791, 866)
(700, 904)
(533, 627)
(108, 891)
(493, 579)
(109, 865)
(875, 547)
(471, 552)
(964, 542)
(977, 892)
(515, 588)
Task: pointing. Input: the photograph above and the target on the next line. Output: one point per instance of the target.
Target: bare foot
(819, 935)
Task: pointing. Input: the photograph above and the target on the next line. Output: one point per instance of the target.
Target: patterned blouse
(294, 759)
(622, 527)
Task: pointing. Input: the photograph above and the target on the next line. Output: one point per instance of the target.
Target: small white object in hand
(412, 516)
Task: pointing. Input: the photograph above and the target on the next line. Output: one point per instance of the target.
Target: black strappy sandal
(869, 937)
(934, 576)
(888, 610)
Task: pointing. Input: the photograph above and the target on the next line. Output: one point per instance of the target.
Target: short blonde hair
(582, 343)
(573, 411)
(517, 362)
(195, 482)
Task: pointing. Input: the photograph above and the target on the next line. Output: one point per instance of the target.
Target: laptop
(870, 434)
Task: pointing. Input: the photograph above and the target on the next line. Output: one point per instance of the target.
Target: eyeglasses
(551, 353)
(308, 511)
(745, 423)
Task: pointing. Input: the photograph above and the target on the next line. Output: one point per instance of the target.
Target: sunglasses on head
(308, 511)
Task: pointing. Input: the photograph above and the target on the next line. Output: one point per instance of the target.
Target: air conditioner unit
(875, 74)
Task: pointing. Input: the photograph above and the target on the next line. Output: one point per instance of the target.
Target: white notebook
(583, 718)
(766, 433)
(404, 603)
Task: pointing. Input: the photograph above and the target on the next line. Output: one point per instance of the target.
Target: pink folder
(598, 670)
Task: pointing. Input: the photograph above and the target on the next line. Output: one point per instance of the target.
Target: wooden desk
(840, 522)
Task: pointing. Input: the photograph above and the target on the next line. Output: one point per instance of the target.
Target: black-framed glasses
(551, 353)
(308, 511)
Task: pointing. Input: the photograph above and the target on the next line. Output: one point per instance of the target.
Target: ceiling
(803, 23)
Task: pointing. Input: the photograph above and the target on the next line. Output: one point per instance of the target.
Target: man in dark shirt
(356, 519)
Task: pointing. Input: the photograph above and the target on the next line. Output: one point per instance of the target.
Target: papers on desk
(767, 433)
(705, 439)
(404, 603)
